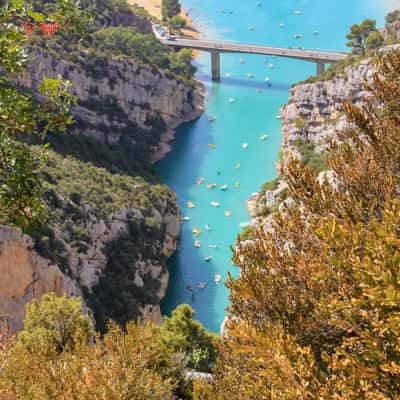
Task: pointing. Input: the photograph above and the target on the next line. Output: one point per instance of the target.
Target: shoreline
(153, 7)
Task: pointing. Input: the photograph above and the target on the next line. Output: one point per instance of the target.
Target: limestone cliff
(312, 117)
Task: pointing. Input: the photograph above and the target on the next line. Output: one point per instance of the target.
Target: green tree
(359, 34)
(374, 40)
(177, 22)
(180, 63)
(170, 8)
(181, 333)
(393, 17)
(55, 323)
(21, 114)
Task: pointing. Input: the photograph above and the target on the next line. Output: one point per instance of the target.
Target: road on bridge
(226, 47)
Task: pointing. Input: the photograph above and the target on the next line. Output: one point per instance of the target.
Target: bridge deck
(226, 47)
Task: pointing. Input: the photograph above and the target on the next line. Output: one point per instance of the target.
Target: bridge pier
(215, 66)
(320, 68)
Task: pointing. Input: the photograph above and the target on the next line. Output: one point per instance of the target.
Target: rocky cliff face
(25, 275)
(313, 115)
(118, 97)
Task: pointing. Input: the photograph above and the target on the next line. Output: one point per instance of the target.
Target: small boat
(212, 246)
(207, 258)
(208, 227)
(242, 61)
(245, 146)
(251, 28)
(224, 186)
(228, 75)
(266, 79)
(237, 184)
(231, 100)
(212, 118)
(281, 24)
(215, 203)
(298, 36)
(237, 166)
(244, 224)
(315, 33)
(217, 278)
(196, 231)
(263, 137)
(211, 185)
(212, 145)
(185, 219)
(278, 117)
(254, 193)
(200, 181)
(227, 213)
(191, 204)
(298, 12)
(197, 244)
(271, 65)
(201, 285)
(250, 75)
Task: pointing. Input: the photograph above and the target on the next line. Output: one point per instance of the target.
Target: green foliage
(56, 323)
(271, 185)
(180, 333)
(170, 8)
(20, 114)
(317, 161)
(177, 22)
(359, 34)
(393, 17)
(144, 48)
(374, 40)
(180, 63)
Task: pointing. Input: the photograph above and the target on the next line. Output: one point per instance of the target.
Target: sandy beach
(154, 8)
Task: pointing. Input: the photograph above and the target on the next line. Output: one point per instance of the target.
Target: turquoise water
(252, 114)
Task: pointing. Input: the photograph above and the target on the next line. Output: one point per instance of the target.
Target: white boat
(224, 187)
(212, 246)
(215, 203)
(185, 219)
(200, 180)
(281, 24)
(242, 61)
(254, 193)
(217, 278)
(208, 227)
(212, 118)
(211, 185)
(266, 79)
(263, 137)
(231, 100)
(201, 285)
(227, 213)
(245, 145)
(298, 36)
(278, 117)
(251, 28)
(250, 75)
(298, 12)
(197, 244)
(191, 204)
(228, 75)
(207, 258)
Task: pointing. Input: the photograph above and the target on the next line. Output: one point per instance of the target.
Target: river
(252, 114)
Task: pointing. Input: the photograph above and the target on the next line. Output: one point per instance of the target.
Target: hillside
(111, 224)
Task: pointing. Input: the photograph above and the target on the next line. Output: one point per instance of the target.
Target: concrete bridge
(320, 58)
